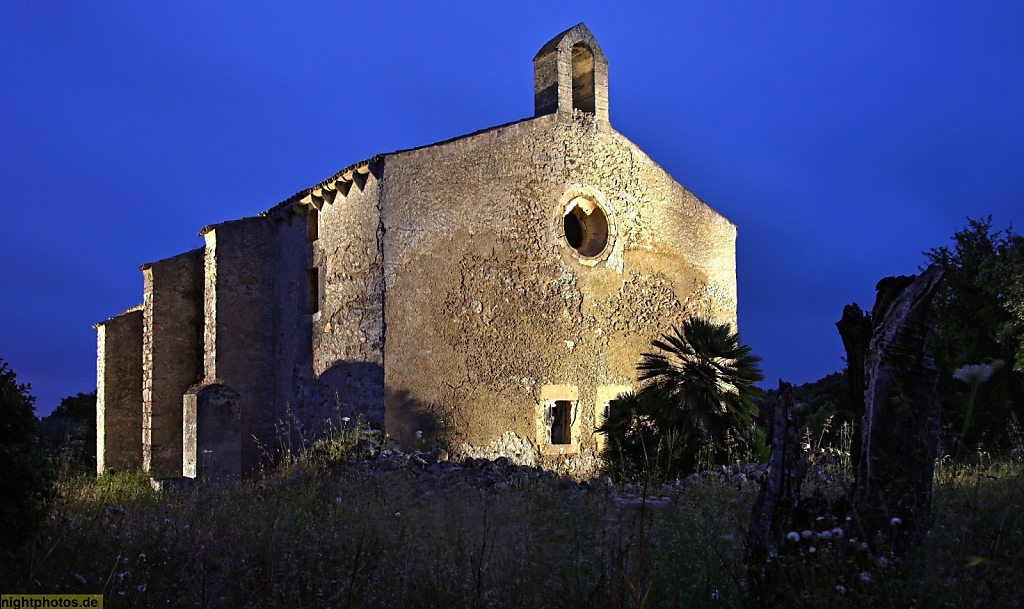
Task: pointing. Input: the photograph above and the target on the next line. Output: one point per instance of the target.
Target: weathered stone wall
(119, 392)
(348, 331)
(296, 398)
(486, 302)
(171, 355)
(239, 326)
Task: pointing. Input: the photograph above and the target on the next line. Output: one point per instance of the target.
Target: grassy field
(313, 534)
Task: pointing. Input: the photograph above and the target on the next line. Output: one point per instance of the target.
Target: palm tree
(633, 444)
(696, 390)
(701, 382)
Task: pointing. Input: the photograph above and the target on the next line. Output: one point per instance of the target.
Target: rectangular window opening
(606, 411)
(312, 290)
(560, 417)
(312, 224)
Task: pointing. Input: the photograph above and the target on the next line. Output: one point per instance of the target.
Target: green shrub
(696, 406)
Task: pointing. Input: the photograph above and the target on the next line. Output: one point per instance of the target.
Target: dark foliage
(69, 434)
(25, 478)
(822, 407)
(980, 320)
(697, 394)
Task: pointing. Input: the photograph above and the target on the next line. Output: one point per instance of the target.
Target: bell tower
(570, 73)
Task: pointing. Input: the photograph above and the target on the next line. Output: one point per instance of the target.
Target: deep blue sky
(843, 138)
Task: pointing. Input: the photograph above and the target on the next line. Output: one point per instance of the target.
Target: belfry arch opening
(582, 78)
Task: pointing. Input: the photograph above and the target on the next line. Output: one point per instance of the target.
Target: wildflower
(346, 419)
(141, 587)
(337, 499)
(826, 535)
(419, 434)
(714, 594)
(895, 522)
(398, 514)
(807, 534)
(793, 536)
(837, 533)
(977, 373)
(812, 549)
(865, 577)
(883, 562)
(142, 556)
(841, 589)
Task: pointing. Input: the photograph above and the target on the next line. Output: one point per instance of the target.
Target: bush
(24, 473)
(68, 435)
(696, 406)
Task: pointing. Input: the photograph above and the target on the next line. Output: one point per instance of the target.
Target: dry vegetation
(320, 532)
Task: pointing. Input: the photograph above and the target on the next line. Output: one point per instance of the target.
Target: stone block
(172, 355)
(119, 392)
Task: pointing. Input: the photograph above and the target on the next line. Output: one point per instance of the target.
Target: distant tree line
(68, 434)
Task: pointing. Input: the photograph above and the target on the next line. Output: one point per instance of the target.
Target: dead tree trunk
(778, 499)
(855, 330)
(900, 425)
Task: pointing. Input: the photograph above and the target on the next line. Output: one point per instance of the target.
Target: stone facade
(495, 289)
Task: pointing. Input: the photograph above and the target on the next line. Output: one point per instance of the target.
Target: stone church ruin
(491, 290)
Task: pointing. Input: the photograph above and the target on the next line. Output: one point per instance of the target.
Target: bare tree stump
(777, 500)
(855, 330)
(900, 425)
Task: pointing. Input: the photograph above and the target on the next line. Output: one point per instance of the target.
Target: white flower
(419, 435)
(977, 373)
(793, 536)
(346, 419)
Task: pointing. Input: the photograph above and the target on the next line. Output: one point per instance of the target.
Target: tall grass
(317, 532)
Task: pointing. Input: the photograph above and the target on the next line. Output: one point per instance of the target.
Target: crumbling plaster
(485, 300)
